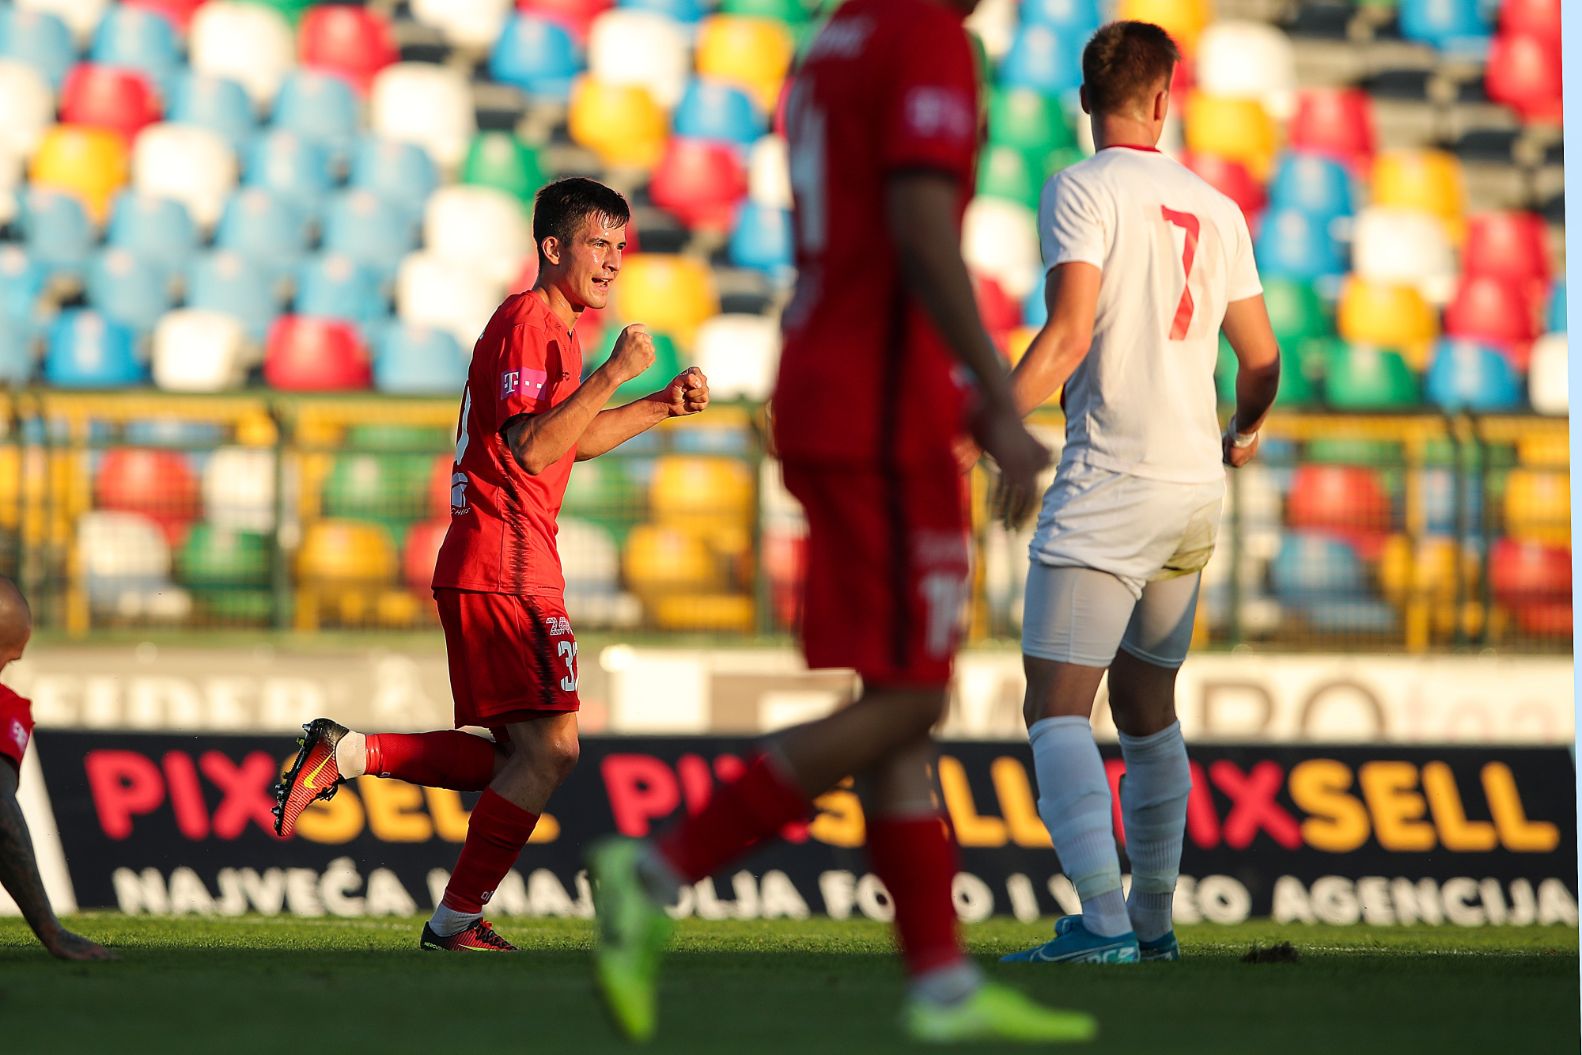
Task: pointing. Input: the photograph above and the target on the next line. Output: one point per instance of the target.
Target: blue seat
(124, 287)
(218, 104)
(1461, 27)
(296, 169)
(159, 230)
(720, 112)
(1556, 322)
(1439, 486)
(138, 39)
(1292, 244)
(199, 437)
(761, 240)
(16, 352)
(87, 350)
(57, 231)
(1035, 312)
(39, 39)
(321, 108)
(335, 286)
(401, 173)
(1363, 615)
(231, 284)
(1078, 18)
(1043, 60)
(1310, 566)
(1466, 375)
(370, 230)
(687, 12)
(264, 227)
(537, 56)
(22, 279)
(418, 360)
(1316, 185)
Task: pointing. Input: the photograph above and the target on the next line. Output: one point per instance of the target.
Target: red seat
(1335, 122)
(1232, 179)
(305, 354)
(1496, 309)
(439, 485)
(109, 97)
(785, 561)
(1507, 244)
(1001, 313)
(1522, 572)
(158, 484)
(422, 548)
(179, 12)
(1524, 74)
(1347, 501)
(576, 16)
(700, 183)
(1540, 18)
(354, 42)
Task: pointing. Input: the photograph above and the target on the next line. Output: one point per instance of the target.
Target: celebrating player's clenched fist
(634, 352)
(687, 394)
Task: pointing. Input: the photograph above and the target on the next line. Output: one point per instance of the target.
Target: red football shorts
(886, 569)
(16, 726)
(512, 658)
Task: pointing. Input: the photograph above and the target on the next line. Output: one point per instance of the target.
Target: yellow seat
(731, 612)
(692, 488)
(1184, 20)
(619, 122)
(751, 53)
(661, 559)
(667, 293)
(1548, 450)
(1423, 580)
(1389, 315)
(1538, 506)
(1426, 180)
(90, 164)
(1232, 128)
(346, 553)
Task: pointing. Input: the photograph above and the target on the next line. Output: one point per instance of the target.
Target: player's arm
(1251, 337)
(538, 441)
(19, 875)
(687, 394)
(1071, 294)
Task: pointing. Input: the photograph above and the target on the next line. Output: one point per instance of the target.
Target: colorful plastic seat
(1556, 318)
(753, 53)
(90, 164)
(1232, 179)
(227, 571)
(199, 351)
(156, 484)
(191, 165)
(215, 103)
(1042, 60)
(1364, 378)
(1296, 311)
(352, 42)
(401, 174)
(1184, 20)
(375, 486)
(433, 291)
(124, 561)
(314, 355)
(334, 286)
(1465, 375)
(320, 107)
(537, 55)
(57, 230)
(1494, 309)
(472, 24)
(672, 294)
(370, 230)
(1230, 127)
(1523, 73)
(621, 123)
(666, 365)
(661, 560)
(1508, 244)
(292, 168)
(578, 16)
(419, 360)
(1294, 245)
(414, 102)
(87, 350)
(17, 366)
(248, 43)
(739, 354)
(1345, 500)
(27, 108)
(345, 554)
(128, 289)
(1311, 565)
(699, 182)
(265, 228)
(1315, 184)
(1428, 180)
(40, 40)
(688, 13)
(1457, 26)
(1540, 18)
(1337, 122)
(769, 173)
(1391, 315)
(177, 12)
(1534, 581)
(479, 228)
(290, 10)
(1249, 60)
(421, 552)
(715, 111)
(999, 239)
(1029, 120)
(1009, 173)
(1441, 491)
(230, 284)
(1077, 18)
(761, 240)
(22, 281)
(129, 38)
(239, 489)
(644, 48)
(1548, 375)
(504, 162)
(1405, 246)
(1537, 506)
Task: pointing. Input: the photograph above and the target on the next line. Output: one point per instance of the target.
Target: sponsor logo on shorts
(558, 626)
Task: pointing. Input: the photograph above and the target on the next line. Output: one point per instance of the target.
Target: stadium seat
(1294, 245)
(295, 170)
(537, 55)
(1311, 565)
(230, 284)
(1364, 378)
(1460, 27)
(1540, 18)
(352, 42)
(370, 230)
(1230, 127)
(1489, 308)
(752, 53)
(1000, 240)
(38, 39)
(191, 165)
(248, 43)
(266, 229)
(27, 107)
(1296, 311)
(22, 281)
(228, 572)
(1534, 582)
(320, 107)
(1184, 20)
(739, 354)
(1075, 18)
(157, 484)
(433, 291)
(769, 173)
(1465, 375)
(706, 496)
(1547, 375)
(1248, 60)
(1428, 180)
(1232, 179)
(700, 183)
(128, 289)
(660, 560)
(419, 360)
(103, 97)
(479, 228)
(239, 489)
(1556, 298)
(578, 16)
(401, 174)
(1315, 184)
(385, 488)
(666, 365)
(129, 38)
(1001, 313)
(215, 103)
(177, 12)
(1404, 246)
(1345, 500)
(1337, 122)
(504, 162)
(334, 286)
(1508, 244)
(761, 240)
(1440, 489)
(90, 164)
(1011, 174)
(621, 123)
(1042, 60)
(1538, 506)
(431, 106)
(689, 13)
(345, 554)
(313, 355)
(1391, 315)
(716, 111)
(672, 294)
(199, 351)
(470, 24)
(1524, 74)
(57, 230)
(421, 551)
(86, 350)
(17, 367)
(124, 560)
(1032, 122)
(644, 48)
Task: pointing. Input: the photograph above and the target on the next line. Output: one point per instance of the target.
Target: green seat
(605, 492)
(293, 10)
(1441, 453)
(1361, 378)
(227, 572)
(1036, 123)
(388, 488)
(1010, 173)
(401, 439)
(1299, 375)
(791, 12)
(502, 161)
(1348, 450)
(1296, 312)
(667, 364)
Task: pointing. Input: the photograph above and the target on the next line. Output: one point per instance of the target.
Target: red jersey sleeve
(930, 114)
(16, 726)
(529, 369)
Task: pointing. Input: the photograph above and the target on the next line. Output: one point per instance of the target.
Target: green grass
(332, 986)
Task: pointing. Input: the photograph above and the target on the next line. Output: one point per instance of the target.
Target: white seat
(1404, 246)
(740, 355)
(199, 351)
(434, 291)
(125, 561)
(239, 489)
(643, 48)
(190, 164)
(1000, 239)
(413, 102)
(250, 44)
(27, 109)
(995, 23)
(592, 559)
(464, 23)
(769, 173)
(1249, 60)
(478, 227)
(1547, 375)
(80, 16)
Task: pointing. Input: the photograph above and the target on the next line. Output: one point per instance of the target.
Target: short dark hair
(1124, 62)
(560, 208)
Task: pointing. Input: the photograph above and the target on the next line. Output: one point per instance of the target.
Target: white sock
(351, 755)
(947, 985)
(1074, 802)
(1153, 809)
(447, 921)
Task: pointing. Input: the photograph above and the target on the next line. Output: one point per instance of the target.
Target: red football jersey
(888, 85)
(502, 518)
(16, 725)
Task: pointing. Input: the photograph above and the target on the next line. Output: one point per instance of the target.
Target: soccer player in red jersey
(18, 868)
(883, 125)
(526, 417)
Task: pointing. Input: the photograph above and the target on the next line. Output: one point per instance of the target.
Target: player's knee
(560, 757)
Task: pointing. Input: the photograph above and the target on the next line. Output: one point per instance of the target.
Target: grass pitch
(283, 986)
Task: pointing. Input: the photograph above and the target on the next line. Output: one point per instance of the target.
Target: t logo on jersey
(528, 382)
(938, 113)
(19, 736)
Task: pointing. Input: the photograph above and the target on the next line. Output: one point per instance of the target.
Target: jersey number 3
(1189, 225)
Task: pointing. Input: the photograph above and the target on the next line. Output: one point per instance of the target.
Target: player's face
(592, 261)
(12, 650)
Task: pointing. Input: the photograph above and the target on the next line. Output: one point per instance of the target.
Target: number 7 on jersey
(1189, 225)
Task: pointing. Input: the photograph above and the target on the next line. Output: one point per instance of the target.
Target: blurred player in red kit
(526, 417)
(883, 135)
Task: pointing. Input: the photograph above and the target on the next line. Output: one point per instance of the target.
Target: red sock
(496, 834)
(755, 805)
(917, 861)
(448, 759)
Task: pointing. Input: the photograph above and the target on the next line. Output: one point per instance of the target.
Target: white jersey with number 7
(1173, 252)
